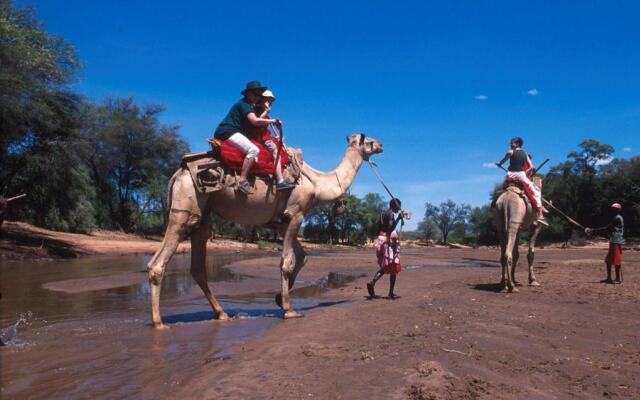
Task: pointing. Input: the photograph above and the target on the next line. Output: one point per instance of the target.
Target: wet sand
(449, 336)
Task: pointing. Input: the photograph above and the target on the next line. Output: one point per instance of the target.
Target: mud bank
(21, 241)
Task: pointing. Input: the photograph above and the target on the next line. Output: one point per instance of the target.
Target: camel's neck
(329, 186)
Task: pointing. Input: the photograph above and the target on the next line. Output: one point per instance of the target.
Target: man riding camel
(615, 227)
(520, 168)
(239, 124)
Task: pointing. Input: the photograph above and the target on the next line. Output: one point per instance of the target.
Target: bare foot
(292, 314)
(223, 316)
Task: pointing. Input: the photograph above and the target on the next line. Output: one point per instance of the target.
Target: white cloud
(533, 92)
(481, 97)
(489, 165)
(627, 149)
(604, 161)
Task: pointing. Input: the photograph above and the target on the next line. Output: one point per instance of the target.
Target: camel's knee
(156, 273)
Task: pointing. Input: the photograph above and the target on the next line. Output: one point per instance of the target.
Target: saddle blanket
(232, 157)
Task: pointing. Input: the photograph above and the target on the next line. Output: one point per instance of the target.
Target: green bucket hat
(255, 86)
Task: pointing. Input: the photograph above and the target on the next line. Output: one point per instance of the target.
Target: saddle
(214, 170)
(514, 186)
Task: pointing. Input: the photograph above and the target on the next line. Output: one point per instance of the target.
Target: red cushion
(233, 158)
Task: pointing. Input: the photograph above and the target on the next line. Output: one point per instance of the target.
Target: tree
(39, 124)
(448, 216)
(131, 154)
(482, 225)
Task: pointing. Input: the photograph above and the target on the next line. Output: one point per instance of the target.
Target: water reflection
(98, 343)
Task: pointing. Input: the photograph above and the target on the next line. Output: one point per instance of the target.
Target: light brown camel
(513, 214)
(189, 206)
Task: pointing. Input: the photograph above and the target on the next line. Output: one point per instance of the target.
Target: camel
(188, 206)
(513, 214)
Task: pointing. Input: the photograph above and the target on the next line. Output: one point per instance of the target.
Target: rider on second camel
(520, 166)
(239, 124)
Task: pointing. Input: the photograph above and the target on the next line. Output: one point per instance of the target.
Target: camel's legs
(199, 265)
(535, 230)
(301, 259)
(502, 238)
(287, 265)
(515, 258)
(511, 242)
(176, 230)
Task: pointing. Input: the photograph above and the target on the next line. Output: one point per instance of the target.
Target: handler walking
(388, 248)
(616, 239)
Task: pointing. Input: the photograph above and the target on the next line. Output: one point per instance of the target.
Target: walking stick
(20, 196)
(280, 144)
(563, 214)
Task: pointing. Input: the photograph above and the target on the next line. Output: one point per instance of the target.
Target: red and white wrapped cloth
(388, 253)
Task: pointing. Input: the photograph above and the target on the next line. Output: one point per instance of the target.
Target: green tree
(448, 217)
(481, 225)
(39, 124)
(131, 154)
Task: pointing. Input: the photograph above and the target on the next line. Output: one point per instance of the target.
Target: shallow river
(70, 333)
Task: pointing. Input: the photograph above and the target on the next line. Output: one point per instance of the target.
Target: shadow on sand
(246, 313)
(489, 287)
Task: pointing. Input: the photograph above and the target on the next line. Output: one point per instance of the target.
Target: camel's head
(365, 145)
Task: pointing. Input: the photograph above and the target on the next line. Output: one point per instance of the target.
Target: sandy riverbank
(450, 335)
(25, 241)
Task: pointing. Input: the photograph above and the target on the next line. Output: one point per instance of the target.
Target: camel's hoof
(160, 327)
(292, 314)
(279, 300)
(223, 316)
(514, 290)
(504, 290)
(534, 283)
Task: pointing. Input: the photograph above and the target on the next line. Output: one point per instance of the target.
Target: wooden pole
(564, 215)
(18, 197)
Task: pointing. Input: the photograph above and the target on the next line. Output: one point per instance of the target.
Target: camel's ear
(361, 138)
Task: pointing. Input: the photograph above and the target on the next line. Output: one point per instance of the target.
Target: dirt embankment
(451, 335)
(20, 241)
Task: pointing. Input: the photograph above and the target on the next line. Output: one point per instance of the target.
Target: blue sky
(443, 85)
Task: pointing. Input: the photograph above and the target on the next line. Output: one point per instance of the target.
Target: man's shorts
(614, 256)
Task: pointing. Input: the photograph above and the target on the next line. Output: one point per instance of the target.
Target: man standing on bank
(616, 239)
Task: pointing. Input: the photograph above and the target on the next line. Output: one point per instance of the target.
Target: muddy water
(80, 328)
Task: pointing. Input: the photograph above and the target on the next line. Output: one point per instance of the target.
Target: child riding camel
(264, 135)
(388, 248)
(520, 166)
(616, 240)
(239, 124)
